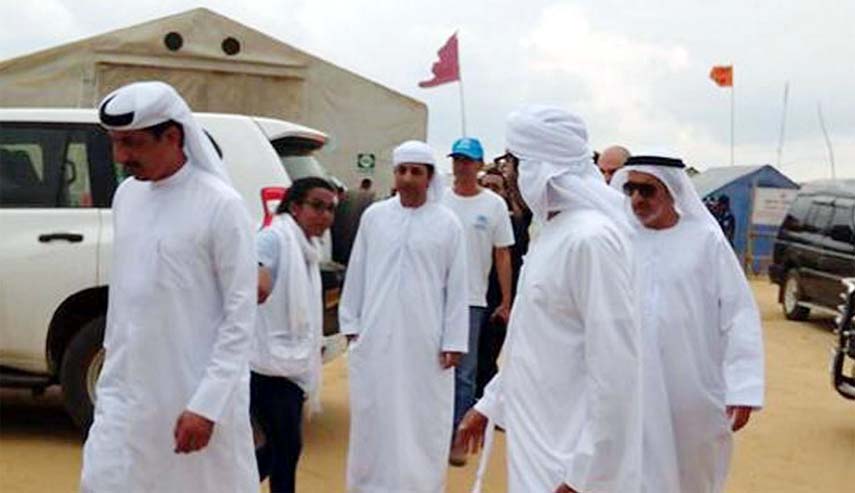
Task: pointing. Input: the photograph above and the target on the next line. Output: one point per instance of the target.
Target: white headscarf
(144, 104)
(414, 151)
(556, 169)
(671, 172)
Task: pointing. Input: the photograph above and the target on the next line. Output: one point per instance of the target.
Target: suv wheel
(81, 365)
(792, 295)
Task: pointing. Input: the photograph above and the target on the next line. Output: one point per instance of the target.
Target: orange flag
(722, 75)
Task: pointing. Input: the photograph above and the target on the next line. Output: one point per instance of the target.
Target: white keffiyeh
(144, 104)
(414, 151)
(556, 170)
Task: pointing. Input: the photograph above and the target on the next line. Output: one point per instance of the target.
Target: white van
(57, 180)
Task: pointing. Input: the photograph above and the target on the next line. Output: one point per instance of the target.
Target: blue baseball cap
(468, 147)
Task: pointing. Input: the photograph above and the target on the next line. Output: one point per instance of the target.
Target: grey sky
(636, 71)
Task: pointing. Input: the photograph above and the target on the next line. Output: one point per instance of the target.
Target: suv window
(842, 222)
(819, 217)
(55, 165)
(795, 219)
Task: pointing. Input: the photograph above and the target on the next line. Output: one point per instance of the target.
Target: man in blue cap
(487, 227)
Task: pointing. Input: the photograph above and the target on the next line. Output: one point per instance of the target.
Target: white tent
(220, 65)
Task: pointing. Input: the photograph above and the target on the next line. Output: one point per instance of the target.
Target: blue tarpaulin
(738, 183)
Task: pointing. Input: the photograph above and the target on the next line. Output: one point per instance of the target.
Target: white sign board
(771, 205)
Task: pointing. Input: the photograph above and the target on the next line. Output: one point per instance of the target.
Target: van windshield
(302, 166)
(297, 157)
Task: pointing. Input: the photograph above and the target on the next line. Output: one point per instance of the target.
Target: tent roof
(713, 179)
(201, 29)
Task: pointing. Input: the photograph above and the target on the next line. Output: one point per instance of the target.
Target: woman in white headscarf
(405, 310)
(568, 392)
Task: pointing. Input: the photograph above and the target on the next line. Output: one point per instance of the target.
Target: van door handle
(69, 237)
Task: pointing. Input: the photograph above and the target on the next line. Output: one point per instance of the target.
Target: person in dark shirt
(492, 335)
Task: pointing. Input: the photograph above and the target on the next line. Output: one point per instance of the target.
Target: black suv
(815, 249)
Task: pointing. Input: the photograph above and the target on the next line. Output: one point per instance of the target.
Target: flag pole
(783, 123)
(732, 106)
(460, 87)
(462, 107)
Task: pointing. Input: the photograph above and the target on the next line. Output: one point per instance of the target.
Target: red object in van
(271, 197)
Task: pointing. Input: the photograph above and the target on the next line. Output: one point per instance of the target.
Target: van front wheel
(81, 366)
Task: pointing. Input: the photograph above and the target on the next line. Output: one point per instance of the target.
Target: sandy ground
(804, 441)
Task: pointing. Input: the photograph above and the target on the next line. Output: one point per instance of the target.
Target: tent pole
(749, 248)
(732, 106)
(827, 140)
(783, 123)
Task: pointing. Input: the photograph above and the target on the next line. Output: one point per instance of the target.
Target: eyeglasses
(646, 190)
(321, 206)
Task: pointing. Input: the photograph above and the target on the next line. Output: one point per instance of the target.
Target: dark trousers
(490, 342)
(276, 404)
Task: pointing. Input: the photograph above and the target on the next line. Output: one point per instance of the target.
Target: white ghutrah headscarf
(144, 104)
(556, 168)
(415, 151)
(672, 173)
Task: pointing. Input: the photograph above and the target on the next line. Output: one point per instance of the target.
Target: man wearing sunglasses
(701, 334)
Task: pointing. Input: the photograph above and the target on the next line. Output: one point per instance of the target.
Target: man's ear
(173, 135)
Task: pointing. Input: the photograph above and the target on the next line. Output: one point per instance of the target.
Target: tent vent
(231, 46)
(173, 41)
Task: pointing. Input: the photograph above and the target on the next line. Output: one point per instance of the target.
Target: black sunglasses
(646, 190)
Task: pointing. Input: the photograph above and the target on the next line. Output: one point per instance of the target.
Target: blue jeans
(467, 371)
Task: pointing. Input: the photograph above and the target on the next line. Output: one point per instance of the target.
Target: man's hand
(449, 359)
(265, 284)
(502, 313)
(192, 432)
(470, 432)
(565, 489)
(739, 416)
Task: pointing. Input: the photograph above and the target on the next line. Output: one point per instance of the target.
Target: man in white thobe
(404, 309)
(701, 333)
(172, 409)
(568, 392)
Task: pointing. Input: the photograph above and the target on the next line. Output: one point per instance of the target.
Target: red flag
(447, 68)
(722, 75)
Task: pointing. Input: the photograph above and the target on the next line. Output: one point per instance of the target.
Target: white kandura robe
(179, 325)
(405, 295)
(703, 351)
(568, 392)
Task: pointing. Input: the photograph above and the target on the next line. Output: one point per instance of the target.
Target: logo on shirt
(481, 222)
